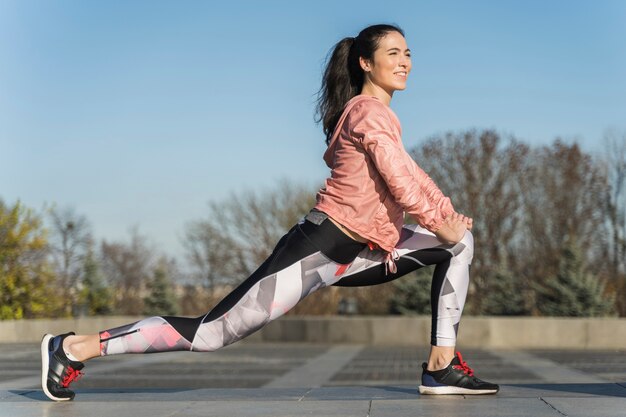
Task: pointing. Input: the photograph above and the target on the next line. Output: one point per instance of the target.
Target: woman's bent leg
(417, 248)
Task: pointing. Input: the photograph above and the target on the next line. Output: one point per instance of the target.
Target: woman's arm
(410, 186)
(373, 129)
(431, 190)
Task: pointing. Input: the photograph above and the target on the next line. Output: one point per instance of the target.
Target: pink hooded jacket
(373, 180)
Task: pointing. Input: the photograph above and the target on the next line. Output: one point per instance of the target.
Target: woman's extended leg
(312, 255)
(307, 258)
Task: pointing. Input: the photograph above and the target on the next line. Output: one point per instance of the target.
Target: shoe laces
(71, 376)
(463, 366)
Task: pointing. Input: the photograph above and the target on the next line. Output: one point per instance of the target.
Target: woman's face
(390, 65)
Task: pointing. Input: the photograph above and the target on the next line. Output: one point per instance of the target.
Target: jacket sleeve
(434, 194)
(412, 189)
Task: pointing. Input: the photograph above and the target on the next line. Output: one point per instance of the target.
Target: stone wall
(484, 332)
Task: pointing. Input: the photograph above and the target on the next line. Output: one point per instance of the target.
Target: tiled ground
(403, 365)
(363, 381)
(237, 366)
(606, 364)
(254, 365)
(18, 360)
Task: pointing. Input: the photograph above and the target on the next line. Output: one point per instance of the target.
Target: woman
(354, 235)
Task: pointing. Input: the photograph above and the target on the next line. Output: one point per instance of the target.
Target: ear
(364, 63)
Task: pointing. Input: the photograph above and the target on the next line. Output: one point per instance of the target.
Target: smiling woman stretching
(354, 236)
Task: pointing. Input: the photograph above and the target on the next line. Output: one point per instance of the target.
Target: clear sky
(140, 112)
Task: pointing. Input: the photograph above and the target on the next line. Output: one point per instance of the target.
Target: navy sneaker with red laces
(57, 370)
(456, 378)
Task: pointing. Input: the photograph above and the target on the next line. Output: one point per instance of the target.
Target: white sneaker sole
(454, 390)
(45, 362)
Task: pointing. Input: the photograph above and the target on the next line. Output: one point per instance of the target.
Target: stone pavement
(290, 379)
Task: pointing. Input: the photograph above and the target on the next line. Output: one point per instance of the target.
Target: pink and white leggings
(314, 254)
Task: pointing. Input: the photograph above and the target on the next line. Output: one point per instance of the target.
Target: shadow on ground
(608, 389)
(381, 392)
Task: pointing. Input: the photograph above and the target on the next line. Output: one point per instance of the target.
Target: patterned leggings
(312, 255)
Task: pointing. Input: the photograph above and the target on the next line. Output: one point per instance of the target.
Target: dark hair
(343, 77)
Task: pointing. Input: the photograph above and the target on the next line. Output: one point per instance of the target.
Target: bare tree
(215, 257)
(481, 175)
(614, 163)
(526, 204)
(70, 242)
(255, 220)
(563, 193)
(128, 266)
(240, 232)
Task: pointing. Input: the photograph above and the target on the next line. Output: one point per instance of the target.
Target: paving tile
(277, 409)
(226, 382)
(403, 365)
(587, 407)
(103, 409)
(560, 390)
(443, 407)
(608, 364)
(11, 395)
(362, 393)
(383, 364)
(167, 395)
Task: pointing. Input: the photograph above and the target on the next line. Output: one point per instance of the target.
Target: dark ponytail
(343, 77)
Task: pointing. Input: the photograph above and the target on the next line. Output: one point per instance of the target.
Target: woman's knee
(464, 250)
(468, 240)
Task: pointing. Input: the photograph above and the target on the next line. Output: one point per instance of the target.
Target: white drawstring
(390, 258)
(390, 262)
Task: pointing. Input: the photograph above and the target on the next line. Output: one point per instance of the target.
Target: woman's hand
(469, 223)
(453, 228)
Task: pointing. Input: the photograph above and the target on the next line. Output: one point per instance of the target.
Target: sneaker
(456, 378)
(57, 371)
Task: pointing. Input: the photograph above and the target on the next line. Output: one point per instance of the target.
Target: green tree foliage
(95, 295)
(412, 293)
(26, 287)
(161, 300)
(573, 291)
(506, 294)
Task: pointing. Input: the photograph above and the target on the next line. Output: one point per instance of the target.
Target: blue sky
(140, 112)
